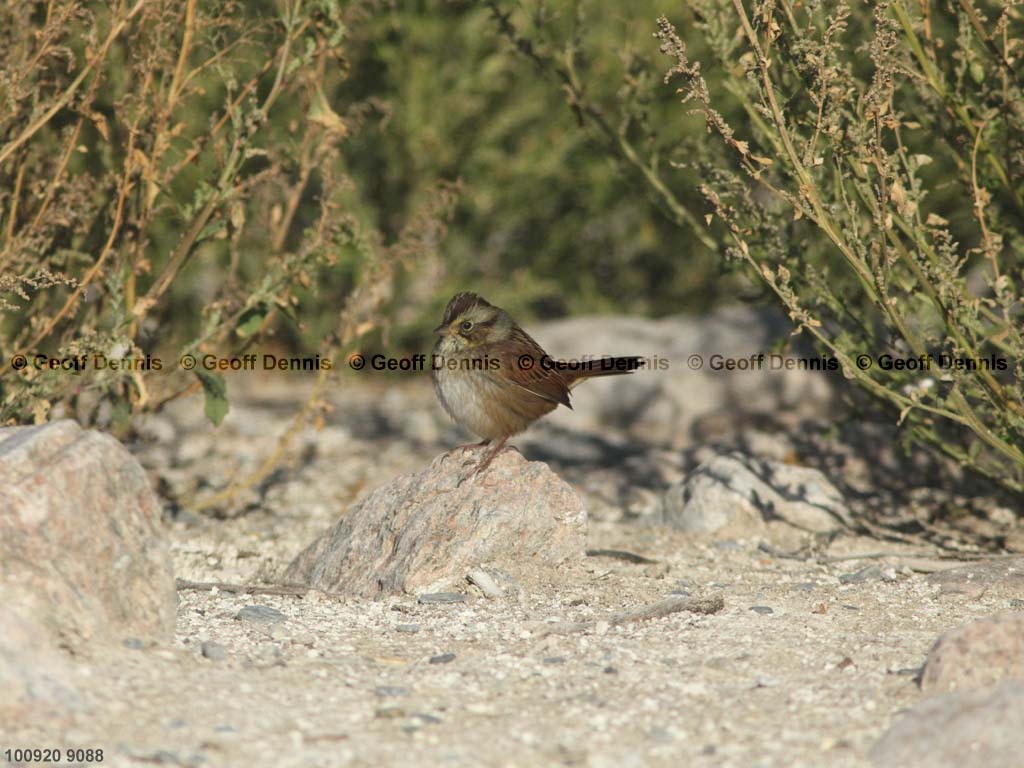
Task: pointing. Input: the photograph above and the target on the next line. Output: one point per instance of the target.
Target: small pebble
(727, 546)
(868, 573)
(269, 652)
(442, 658)
(660, 735)
(909, 671)
(213, 651)
(442, 597)
(391, 690)
(555, 660)
(279, 632)
(762, 609)
(485, 583)
(260, 614)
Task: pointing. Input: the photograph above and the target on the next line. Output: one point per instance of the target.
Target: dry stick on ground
(621, 554)
(246, 589)
(806, 556)
(663, 607)
(660, 609)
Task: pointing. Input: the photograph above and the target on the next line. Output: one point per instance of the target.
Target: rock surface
(83, 558)
(427, 529)
(736, 487)
(978, 654)
(1005, 574)
(971, 729)
(36, 679)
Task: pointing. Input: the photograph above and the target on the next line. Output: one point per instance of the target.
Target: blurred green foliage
(547, 222)
(173, 181)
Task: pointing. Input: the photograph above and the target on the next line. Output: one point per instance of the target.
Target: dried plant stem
(65, 98)
(935, 80)
(12, 215)
(94, 270)
(55, 180)
(806, 185)
(223, 192)
(186, 46)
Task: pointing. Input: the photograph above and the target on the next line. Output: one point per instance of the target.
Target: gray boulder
(978, 654)
(427, 529)
(969, 729)
(83, 558)
(735, 486)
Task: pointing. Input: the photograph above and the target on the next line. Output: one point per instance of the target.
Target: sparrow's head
(470, 321)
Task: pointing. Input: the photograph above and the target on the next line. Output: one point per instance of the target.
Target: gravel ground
(806, 665)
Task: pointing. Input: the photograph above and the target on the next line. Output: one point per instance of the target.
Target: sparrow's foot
(483, 463)
(461, 449)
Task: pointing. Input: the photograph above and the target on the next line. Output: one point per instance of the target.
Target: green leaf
(251, 320)
(216, 392)
(212, 229)
(121, 413)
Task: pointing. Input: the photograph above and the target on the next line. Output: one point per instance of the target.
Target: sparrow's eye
(467, 326)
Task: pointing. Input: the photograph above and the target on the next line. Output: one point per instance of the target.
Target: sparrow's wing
(523, 363)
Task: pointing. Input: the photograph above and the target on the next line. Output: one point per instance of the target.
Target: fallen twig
(621, 554)
(805, 555)
(244, 589)
(663, 607)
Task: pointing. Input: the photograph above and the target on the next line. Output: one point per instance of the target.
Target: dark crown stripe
(460, 304)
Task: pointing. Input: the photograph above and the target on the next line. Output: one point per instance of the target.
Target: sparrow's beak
(442, 329)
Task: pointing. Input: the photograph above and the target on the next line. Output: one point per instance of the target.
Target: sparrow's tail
(576, 371)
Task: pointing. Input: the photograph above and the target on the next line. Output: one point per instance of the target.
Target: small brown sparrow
(494, 380)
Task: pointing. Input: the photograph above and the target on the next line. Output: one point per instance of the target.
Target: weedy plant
(865, 160)
(173, 182)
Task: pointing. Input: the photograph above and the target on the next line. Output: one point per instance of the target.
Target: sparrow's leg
(466, 447)
(484, 462)
(489, 457)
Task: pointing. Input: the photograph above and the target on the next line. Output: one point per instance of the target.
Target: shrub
(864, 161)
(173, 181)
